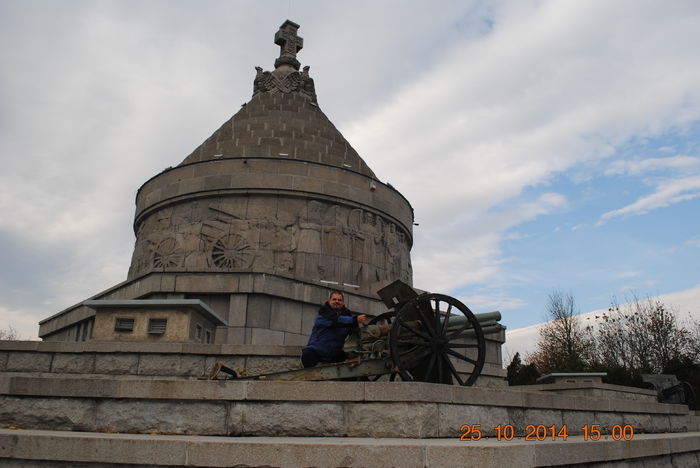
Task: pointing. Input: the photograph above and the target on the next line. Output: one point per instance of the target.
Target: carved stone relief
(312, 240)
(231, 252)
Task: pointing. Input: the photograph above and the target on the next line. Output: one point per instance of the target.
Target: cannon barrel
(485, 319)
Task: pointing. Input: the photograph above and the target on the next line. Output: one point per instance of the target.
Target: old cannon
(424, 337)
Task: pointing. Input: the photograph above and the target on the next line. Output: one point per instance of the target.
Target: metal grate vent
(157, 326)
(124, 324)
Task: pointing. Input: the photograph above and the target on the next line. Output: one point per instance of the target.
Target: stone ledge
(203, 451)
(54, 385)
(603, 389)
(160, 348)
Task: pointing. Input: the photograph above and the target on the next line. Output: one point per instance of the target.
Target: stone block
(266, 337)
(591, 404)
(116, 364)
(258, 311)
(537, 399)
(392, 420)
(307, 184)
(294, 339)
(194, 283)
(3, 360)
(5, 383)
(29, 362)
(308, 316)
(575, 420)
(408, 391)
(192, 365)
(221, 181)
(336, 189)
(452, 417)
(235, 335)
(159, 364)
(175, 417)
(209, 169)
(288, 419)
(293, 167)
(200, 348)
(256, 365)
(73, 363)
(67, 414)
(238, 307)
(640, 422)
(486, 396)
(678, 423)
(285, 315)
(542, 416)
(685, 460)
(167, 389)
(63, 387)
(305, 391)
(607, 420)
(455, 454)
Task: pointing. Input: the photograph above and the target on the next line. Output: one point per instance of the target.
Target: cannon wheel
(428, 351)
(383, 319)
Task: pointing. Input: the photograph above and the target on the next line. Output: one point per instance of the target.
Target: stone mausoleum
(239, 244)
(257, 223)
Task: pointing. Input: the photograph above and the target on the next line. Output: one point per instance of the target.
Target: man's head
(336, 300)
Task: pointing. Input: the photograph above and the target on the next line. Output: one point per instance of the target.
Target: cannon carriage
(424, 337)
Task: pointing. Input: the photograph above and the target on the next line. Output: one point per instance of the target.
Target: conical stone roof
(282, 120)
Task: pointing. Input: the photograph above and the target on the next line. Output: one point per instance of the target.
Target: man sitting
(333, 324)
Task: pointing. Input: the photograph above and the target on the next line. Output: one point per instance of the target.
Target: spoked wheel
(387, 318)
(436, 338)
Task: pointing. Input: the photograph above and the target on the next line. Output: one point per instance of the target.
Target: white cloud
(552, 86)
(461, 252)
(461, 106)
(667, 193)
(636, 167)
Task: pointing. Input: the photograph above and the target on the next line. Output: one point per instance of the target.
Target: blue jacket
(330, 329)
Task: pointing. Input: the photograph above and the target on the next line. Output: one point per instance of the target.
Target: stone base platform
(97, 405)
(43, 449)
(314, 409)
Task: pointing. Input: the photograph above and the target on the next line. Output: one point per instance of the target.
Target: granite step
(40, 449)
(346, 409)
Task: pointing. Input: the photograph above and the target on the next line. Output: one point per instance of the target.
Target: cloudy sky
(543, 144)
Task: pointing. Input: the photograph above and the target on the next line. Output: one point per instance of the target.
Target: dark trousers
(309, 357)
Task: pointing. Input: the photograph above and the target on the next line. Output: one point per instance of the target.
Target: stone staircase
(96, 419)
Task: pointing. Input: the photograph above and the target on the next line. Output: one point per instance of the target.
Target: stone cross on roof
(290, 43)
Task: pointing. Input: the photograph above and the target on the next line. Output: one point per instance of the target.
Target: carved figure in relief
(284, 262)
(310, 228)
(392, 252)
(336, 241)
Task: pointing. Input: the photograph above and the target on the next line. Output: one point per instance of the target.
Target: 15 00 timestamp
(540, 432)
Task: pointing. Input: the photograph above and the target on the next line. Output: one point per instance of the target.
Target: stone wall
(312, 409)
(311, 225)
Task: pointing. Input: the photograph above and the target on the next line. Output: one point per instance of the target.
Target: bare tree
(642, 335)
(694, 344)
(563, 344)
(10, 334)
